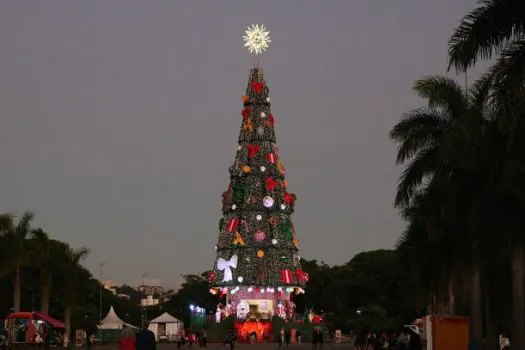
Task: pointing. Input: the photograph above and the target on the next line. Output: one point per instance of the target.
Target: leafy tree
(194, 291)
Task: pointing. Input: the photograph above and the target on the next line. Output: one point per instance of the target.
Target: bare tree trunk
(45, 296)
(17, 297)
(476, 308)
(517, 340)
(67, 320)
(491, 336)
(451, 299)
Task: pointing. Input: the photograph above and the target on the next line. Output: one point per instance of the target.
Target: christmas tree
(257, 250)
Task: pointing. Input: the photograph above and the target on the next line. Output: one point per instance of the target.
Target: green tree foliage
(372, 282)
(49, 277)
(194, 291)
(256, 233)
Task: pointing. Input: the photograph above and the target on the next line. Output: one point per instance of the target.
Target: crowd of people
(406, 340)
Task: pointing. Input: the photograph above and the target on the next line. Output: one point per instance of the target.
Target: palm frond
(485, 31)
(508, 74)
(442, 92)
(479, 92)
(418, 129)
(421, 167)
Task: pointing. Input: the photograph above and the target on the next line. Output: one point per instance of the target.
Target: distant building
(149, 301)
(110, 285)
(152, 292)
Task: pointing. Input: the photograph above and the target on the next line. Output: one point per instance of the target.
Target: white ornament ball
(263, 115)
(283, 206)
(215, 247)
(234, 207)
(260, 131)
(274, 241)
(263, 168)
(239, 148)
(268, 201)
(258, 217)
(240, 278)
(268, 99)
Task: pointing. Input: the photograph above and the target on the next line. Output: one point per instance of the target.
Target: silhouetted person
(315, 339)
(415, 342)
(287, 336)
(145, 339)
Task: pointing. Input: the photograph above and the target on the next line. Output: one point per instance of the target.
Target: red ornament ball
(211, 276)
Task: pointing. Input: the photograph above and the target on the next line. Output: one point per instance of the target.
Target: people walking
(320, 339)
(403, 340)
(362, 341)
(204, 338)
(414, 342)
(127, 339)
(145, 339)
(231, 339)
(287, 337)
(315, 339)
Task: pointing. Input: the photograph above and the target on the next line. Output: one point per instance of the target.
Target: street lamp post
(143, 299)
(100, 293)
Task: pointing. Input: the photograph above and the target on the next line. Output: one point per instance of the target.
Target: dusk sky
(119, 119)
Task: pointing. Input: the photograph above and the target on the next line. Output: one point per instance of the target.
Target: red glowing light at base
(261, 328)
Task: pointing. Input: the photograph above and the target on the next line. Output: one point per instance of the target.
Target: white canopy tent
(165, 327)
(112, 321)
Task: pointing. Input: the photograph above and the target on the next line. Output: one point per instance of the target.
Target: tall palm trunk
(476, 307)
(518, 296)
(451, 309)
(45, 296)
(67, 320)
(491, 336)
(17, 297)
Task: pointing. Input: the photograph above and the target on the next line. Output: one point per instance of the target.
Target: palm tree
(486, 31)
(498, 27)
(440, 141)
(15, 237)
(72, 258)
(44, 263)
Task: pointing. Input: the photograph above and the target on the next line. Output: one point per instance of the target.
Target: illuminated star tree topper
(257, 39)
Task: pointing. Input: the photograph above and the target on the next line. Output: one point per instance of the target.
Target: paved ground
(270, 346)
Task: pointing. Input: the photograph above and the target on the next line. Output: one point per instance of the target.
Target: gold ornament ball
(260, 254)
(246, 169)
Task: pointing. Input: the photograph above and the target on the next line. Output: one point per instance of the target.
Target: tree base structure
(253, 331)
(260, 304)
